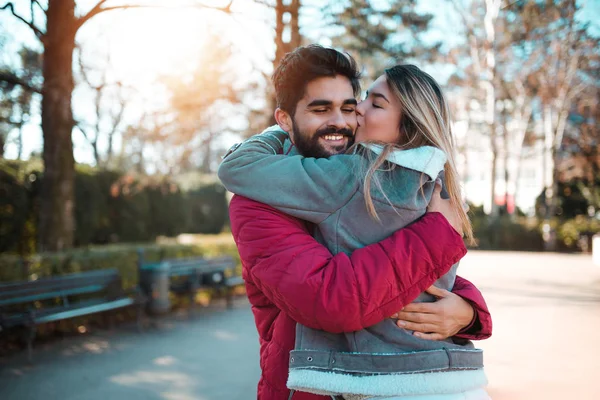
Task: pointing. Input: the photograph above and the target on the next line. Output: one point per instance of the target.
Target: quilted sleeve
(307, 188)
(339, 293)
(481, 327)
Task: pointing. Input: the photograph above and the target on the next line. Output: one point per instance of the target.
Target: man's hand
(437, 204)
(438, 320)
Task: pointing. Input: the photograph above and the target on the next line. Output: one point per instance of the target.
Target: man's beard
(310, 146)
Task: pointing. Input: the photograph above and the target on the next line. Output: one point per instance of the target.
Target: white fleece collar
(427, 159)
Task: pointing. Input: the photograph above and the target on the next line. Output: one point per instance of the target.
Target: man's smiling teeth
(333, 137)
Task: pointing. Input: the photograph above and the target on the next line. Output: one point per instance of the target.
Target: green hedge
(124, 257)
(519, 233)
(576, 234)
(504, 233)
(110, 207)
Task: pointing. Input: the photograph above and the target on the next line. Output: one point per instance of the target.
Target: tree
(287, 37)
(479, 77)
(57, 35)
(582, 146)
(382, 34)
(109, 108)
(16, 100)
(566, 69)
(200, 109)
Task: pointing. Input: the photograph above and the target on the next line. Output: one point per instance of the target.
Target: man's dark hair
(305, 64)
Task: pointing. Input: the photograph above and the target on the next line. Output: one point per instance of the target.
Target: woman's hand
(439, 320)
(444, 207)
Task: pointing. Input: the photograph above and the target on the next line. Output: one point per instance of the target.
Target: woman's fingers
(417, 317)
(426, 308)
(437, 292)
(429, 336)
(417, 327)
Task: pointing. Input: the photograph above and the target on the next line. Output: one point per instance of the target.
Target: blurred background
(114, 115)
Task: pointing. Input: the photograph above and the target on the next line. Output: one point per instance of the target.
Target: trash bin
(596, 249)
(154, 281)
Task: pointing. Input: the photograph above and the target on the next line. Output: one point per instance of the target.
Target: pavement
(546, 344)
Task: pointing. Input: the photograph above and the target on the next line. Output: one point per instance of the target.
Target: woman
(404, 144)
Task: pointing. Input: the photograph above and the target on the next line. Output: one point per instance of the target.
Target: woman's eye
(376, 106)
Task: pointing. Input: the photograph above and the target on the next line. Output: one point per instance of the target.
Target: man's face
(325, 118)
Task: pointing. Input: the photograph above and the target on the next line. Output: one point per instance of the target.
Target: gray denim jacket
(382, 359)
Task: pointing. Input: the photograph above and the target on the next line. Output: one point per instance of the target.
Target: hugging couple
(349, 223)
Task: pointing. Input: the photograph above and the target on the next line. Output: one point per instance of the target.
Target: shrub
(208, 207)
(505, 232)
(123, 257)
(109, 207)
(576, 234)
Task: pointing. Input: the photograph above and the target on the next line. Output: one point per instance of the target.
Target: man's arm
(481, 326)
(340, 293)
(461, 313)
(307, 188)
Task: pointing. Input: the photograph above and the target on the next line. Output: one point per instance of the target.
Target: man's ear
(284, 120)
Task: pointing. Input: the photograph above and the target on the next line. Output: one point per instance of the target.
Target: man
(291, 278)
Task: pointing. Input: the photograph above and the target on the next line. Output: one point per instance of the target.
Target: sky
(144, 44)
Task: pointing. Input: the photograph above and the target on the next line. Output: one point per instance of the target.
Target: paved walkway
(213, 355)
(546, 313)
(546, 344)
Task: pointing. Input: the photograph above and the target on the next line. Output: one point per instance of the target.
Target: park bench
(187, 275)
(31, 303)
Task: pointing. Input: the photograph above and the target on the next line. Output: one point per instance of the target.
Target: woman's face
(379, 114)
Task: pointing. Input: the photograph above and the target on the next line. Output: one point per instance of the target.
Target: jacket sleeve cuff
(481, 326)
(473, 327)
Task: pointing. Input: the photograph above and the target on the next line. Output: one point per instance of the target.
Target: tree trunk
(283, 44)
(2, 144)
(205, 167)
(492, 8)
(494, 207)
(109, 150)
(57, 194)
(506, 146)
(20, 142)
(548, 177)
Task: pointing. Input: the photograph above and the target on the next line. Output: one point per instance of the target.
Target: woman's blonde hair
(424, 121)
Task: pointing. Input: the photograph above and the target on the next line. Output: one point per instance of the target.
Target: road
(546, 343)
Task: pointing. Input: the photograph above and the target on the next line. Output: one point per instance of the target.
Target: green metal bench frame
(198, 272)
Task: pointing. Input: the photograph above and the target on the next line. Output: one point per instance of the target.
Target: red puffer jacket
(291, 278)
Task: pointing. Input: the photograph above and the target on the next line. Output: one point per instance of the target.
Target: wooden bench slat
(59, 283)
(52, 295)
(78, 276)
(85, 311)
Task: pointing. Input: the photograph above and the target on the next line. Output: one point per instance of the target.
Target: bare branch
(82, 68)
(11, 78)
(97, 9)
(83, 132)
(510, 4)
(265, 3)
(36, 30)
(470, 31)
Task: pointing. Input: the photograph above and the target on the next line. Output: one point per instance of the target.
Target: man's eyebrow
(322, 102)
(377, 94)
(317, 103)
